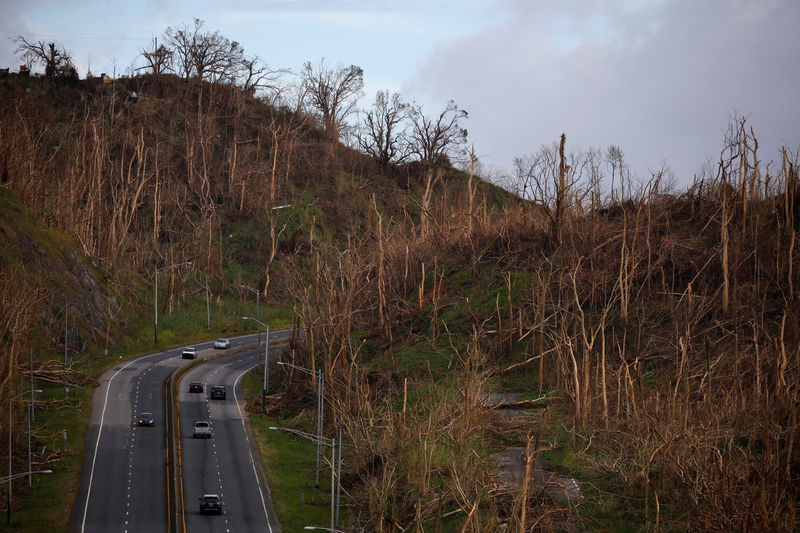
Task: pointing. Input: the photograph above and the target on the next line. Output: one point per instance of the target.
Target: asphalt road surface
(123, 485)
(227, 463)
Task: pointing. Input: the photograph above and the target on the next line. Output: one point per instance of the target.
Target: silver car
(202, 429)
(190, 352)
(222, 344)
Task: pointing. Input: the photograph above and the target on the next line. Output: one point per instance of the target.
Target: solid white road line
(249, 450)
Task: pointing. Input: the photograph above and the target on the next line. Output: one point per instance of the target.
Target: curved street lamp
(23, 474)
(258, 306)
(266, 364)
(320, 406)
(334, 484)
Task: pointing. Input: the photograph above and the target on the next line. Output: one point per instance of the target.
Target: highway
(227, 463)
(123, 483)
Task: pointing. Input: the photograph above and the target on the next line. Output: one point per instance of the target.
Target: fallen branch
(526, 361)
(527, 404)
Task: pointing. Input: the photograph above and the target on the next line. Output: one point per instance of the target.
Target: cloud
(12, 25)
(660, 79)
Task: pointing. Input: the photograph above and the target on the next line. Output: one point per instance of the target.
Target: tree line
(390, 130)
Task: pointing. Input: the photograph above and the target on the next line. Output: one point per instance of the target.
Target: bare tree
(615, 159)
(255, 75)
(382, 135)
(333, 92)
(56, 61)
(550, 178)
(158, 58)
(204, 55)
(432, 138)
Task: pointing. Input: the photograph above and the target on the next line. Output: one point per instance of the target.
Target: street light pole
(320, 412)
(327, 442)
(155, 297)
(208, 308)
(266, 374)
(266, 365)
(155, 305)
(30, 477)
(258, 308)
(31, 416)
(339, 478)
(10, 428)
(320, 406)
(66, 341)
(66, 321)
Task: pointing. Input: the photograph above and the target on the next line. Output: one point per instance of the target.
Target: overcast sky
(659, 78)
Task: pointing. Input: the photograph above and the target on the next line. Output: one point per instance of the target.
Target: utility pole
(66, 310)
(208, 309)
(266, 375)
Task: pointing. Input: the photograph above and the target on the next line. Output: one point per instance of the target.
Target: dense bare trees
(392, 131)
(663, 326)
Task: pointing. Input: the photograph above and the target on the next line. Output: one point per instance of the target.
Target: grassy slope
(476, 294)
(48, 504)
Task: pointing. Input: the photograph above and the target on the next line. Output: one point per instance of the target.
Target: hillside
(652, 336)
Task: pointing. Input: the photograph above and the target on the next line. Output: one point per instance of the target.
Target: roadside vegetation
(650, 334)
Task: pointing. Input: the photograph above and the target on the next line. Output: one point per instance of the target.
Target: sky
(661, 79)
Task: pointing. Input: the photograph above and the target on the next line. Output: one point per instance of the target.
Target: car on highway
(202, 429)
(190, 352)
(210, 503)
(218, 392)
(195, 386)
(222, 344)
(145, 419)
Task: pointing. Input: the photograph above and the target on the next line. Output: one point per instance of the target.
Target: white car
(222, 344)
(190, 352)
(202, 429)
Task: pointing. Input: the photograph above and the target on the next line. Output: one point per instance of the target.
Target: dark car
(195, 386)
(145, 419)
(210, 503)
(218, 392)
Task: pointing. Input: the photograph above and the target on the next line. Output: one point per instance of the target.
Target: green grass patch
(414, 358)
(609, 504)
(289, 462)
(47, 505)
(524, 381)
